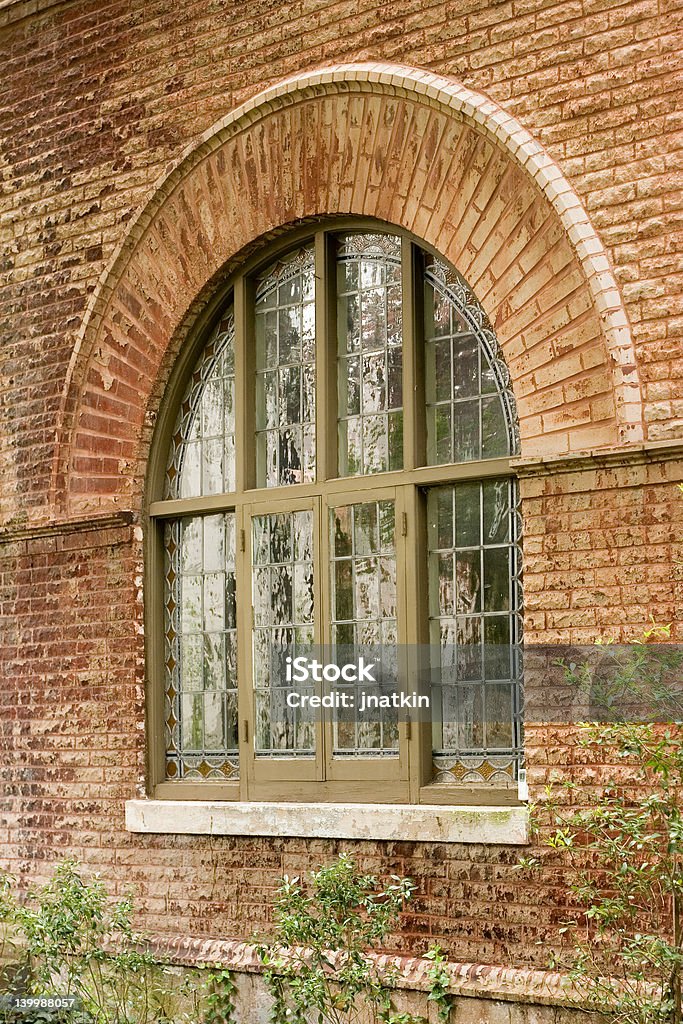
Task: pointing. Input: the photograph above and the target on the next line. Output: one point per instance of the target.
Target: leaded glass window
(369, 327)
(469, 400)
(363, 585)
(202, 451)
(337, 477)
(283, 602)
(285, 372)
(475, 626)
(201, 648)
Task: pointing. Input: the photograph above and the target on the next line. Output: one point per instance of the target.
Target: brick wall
(99, 98)
(97, 101)
(72, 747)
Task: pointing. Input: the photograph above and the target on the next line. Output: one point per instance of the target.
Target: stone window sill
(432, 823)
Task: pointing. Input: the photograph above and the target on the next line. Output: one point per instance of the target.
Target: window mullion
(323, 614)
(413, 375)
(326, 357)
(415, 632)
(245, 391)
(245, 698)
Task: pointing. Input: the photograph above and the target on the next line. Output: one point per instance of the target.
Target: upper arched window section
(469, 410)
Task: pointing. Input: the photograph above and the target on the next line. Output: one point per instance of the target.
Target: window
(336, 471)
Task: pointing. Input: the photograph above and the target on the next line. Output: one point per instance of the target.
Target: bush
(70, 938)
(625, 856)
(318, 964)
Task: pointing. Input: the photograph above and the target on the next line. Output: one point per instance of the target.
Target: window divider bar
(245, 689)
(245, 392)
(423, 476)
(323, 565)
(416, 616)
(326, 357)
(413, 375)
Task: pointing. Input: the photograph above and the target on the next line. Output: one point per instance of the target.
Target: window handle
(245, 730)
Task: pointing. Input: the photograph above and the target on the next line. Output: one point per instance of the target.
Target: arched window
(337, 473)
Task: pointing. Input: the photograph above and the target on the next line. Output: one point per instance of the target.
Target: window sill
(505, 826)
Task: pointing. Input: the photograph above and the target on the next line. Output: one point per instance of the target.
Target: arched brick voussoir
(390, 142)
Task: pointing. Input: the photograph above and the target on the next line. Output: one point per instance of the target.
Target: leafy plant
(219, 1006)
(626, 855)
(439, 983)
(318, 965)
(74, 941)
(70, 938)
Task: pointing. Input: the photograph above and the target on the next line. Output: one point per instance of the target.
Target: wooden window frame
(414, 783)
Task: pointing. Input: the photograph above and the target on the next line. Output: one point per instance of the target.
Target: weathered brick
(98, 101)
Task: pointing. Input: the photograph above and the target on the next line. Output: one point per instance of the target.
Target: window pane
(363, 586)
(475, 628)
(283, 602)
(370, 365)
(202, 454)
(285, 372)
(201, 648)
(470, 407)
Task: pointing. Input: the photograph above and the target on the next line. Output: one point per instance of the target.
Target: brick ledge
(510, 984)
(56, 528)
(618, 455)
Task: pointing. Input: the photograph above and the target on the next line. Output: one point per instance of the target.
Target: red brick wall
(72, 747)
(98, 98)
(96, 101)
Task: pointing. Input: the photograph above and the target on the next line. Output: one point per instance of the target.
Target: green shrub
(318, 964)
(69, 938)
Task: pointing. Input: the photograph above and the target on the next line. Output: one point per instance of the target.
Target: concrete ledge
(505, 826)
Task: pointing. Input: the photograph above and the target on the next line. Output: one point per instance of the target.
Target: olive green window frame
(412, 782)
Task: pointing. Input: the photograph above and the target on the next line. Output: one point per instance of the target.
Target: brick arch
(383, 141)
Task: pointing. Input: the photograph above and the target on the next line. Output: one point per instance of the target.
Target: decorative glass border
(222, 339)
(453, 287)
(491, 766)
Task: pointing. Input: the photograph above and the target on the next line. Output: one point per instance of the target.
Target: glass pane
(200, 648)
(285, 372)
(283, 602)
(363, 582)
(202, 452)
(496, 579)
(497, 507)
(474, 630)
(370, 370)
(463, 365)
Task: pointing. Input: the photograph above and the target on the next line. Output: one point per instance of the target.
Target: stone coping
(483, 981)
(432, 823)
(599, 458)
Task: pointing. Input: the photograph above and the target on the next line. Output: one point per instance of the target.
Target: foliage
(626, 852)
(439, 982)
(219, 1007)
(638, 681)
(70, 938)
(318, 966)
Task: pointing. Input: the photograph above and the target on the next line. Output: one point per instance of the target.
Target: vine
(219, 992)
(622, 850)
(439, 983)
(319, 964)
